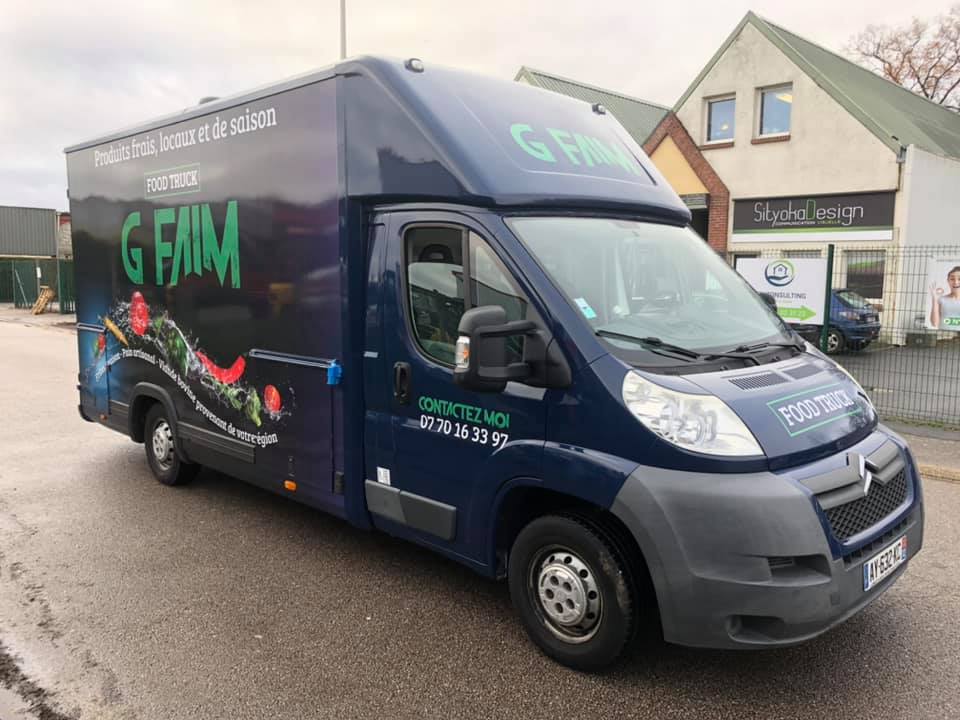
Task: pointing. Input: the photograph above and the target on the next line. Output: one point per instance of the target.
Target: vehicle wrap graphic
(135, 331)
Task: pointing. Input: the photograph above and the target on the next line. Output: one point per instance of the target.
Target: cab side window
(434, 257)
(440, 289)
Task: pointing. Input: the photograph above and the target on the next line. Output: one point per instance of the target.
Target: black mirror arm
(515, 327)
(513, 371)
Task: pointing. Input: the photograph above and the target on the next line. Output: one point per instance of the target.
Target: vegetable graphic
(252, 407)
(227, 376)
(176, 349)
(271, 399)
(148, 331)
(117, 332)
(139, 314)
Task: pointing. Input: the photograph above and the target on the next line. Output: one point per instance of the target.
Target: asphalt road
(121, 598)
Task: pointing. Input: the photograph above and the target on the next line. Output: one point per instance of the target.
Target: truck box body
(469, 313)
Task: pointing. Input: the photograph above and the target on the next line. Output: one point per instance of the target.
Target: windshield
(646, 280)
(852, 299)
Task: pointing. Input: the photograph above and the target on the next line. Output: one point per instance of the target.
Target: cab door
(451, 448)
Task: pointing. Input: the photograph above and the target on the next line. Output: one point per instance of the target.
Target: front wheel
(574, 591)
(160, 445)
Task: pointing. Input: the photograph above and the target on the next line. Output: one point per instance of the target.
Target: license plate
(885, 562)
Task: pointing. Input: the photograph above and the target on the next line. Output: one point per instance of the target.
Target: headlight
(849, 315)
(701, 423)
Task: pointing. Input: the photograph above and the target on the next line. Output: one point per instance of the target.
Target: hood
(797, 409)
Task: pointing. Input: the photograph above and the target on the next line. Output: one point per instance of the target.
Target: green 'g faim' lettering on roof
(579, 150)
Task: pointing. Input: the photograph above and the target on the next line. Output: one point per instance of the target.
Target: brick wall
(719, 209)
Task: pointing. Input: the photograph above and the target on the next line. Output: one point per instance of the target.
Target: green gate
(6, 281)
(25, 290)
(21, 280)
(66, 294)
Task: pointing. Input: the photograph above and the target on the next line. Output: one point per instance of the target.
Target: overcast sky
(70, 71)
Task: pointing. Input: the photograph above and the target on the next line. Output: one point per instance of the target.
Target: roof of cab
(415, 131)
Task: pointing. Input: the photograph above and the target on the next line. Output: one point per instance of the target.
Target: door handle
(401, 382)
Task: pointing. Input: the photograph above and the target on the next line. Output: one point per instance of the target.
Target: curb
(939, 472)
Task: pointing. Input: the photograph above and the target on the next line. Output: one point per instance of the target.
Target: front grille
(854, 517)
(878, 544)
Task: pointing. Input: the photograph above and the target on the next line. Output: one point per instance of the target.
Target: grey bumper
(747, 560)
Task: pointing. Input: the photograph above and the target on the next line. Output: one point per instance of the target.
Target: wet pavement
(122, 598)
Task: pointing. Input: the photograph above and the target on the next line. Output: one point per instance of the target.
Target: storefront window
(775, 104)
(865, 270)
(720, 119)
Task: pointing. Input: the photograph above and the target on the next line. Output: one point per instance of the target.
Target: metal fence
(911, 369)
(22, 278)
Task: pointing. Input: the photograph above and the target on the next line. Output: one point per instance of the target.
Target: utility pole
(343, 29)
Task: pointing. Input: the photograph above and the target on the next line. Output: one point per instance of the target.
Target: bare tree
(922, 56)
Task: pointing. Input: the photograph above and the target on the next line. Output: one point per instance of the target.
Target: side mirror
(770, 300)
(481, 355)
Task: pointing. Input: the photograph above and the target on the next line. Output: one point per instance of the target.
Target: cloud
(72, 71)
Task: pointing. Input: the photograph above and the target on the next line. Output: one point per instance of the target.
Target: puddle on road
(20, 696)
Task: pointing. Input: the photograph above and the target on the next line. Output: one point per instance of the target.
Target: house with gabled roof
(815, 149)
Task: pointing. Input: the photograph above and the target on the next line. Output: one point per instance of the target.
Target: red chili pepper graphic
(271, 399)
(101, 344)
(228, 375)
(139, 314)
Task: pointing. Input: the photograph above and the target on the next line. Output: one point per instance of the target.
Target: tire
(574, 590)
(162, 457)
(836, 342)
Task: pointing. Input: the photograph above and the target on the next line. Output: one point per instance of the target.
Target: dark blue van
(471, 314)
(854, 323)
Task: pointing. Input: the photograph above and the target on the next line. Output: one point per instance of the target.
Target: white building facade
(817, 150)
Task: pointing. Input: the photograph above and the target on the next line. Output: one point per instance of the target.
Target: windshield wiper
(756, 347)
(654, 343)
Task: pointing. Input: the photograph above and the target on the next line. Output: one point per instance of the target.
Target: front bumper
(862, 332)
(750, 560)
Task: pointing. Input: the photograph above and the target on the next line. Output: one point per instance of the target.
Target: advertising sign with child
(943, 285)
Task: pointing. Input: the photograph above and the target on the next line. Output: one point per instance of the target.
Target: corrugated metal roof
(639, 117)
(28, 231)
(883, 107)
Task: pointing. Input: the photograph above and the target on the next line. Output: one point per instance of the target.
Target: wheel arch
(525, 499)
(143, 396)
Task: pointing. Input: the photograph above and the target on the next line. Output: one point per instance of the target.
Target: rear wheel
(835, 341)
(574, 591)
(160, 444)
